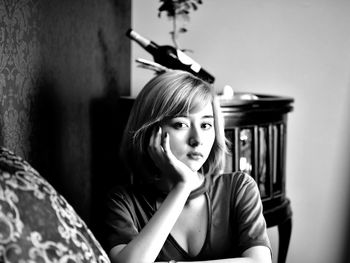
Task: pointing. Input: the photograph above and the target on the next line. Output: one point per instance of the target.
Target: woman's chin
(195, 167)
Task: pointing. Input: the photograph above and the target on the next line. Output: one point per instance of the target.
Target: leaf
(181, 7)
(168, 6)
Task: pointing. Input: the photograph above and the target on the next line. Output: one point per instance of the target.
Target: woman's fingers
(166, 145)
(151, 140)
(154, 148)
(158, 140)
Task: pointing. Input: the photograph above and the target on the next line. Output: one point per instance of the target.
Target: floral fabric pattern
(36, 223)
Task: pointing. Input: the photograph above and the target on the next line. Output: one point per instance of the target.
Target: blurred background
(64, 64)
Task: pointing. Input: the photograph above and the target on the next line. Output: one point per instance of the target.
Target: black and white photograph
(171, 131)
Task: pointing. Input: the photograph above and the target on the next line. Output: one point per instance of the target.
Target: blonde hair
(167, 95)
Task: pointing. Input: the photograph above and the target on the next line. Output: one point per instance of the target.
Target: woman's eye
(179, 125)
(206, 126)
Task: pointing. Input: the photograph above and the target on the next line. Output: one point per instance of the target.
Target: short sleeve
(249, 215)
(120, 223)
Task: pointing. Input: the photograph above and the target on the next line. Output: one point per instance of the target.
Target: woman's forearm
(226, 260)
(147, 245)
(256, 254)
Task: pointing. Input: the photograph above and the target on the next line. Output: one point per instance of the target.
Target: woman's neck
(164, 185)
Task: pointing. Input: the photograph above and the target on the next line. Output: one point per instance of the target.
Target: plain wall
(295, 48)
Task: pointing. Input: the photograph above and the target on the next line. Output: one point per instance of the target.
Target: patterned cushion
(36, 223)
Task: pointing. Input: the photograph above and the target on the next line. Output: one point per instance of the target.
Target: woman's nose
(195, 137)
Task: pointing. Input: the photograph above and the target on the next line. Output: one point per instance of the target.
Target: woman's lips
(195, 155)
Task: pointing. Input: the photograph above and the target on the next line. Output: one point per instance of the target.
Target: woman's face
(192, 136)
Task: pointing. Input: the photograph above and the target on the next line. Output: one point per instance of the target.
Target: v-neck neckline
(207, 237)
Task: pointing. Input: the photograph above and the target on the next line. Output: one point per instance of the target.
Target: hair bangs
(188, 98)
(199, 101)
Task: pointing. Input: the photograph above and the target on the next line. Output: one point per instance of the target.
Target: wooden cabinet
(257, 130)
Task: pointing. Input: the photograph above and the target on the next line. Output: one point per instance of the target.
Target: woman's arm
(257, 254)
(147, 245)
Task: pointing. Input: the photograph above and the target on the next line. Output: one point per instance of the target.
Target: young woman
(181, 207)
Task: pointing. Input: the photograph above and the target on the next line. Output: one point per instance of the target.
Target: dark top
(235, 221)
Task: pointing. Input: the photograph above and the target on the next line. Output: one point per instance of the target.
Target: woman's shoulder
(237, 177)
(233, 182)
(120, 192)
(132, 193)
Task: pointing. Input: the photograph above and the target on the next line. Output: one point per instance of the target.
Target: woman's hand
(173, 169)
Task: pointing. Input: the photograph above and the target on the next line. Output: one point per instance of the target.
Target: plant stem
(174, 34)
